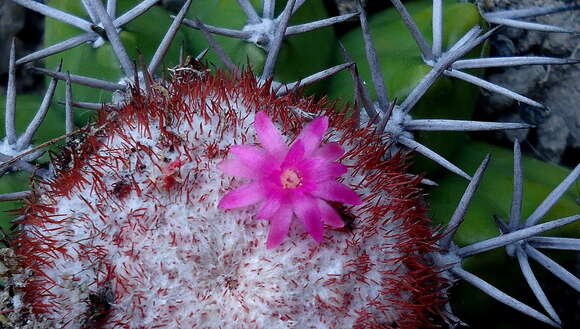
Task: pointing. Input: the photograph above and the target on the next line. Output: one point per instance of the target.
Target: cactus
(132, 204)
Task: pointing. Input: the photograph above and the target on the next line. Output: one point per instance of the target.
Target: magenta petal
(269, 136)
(242, 196)
(234, 167)
(295, 154)
(312, 134)
(268, 208)
(329, 214)
(279, 226)
(335, 191)
(252, 157)
(306, 209)
(330, 152)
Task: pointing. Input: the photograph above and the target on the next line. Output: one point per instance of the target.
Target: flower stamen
(290, 179)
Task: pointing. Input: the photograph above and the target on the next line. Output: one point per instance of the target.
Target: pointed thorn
(514, 236)
(114, 38)
(58, 48)
(437, 27)
(25, 139)
(85, 105)
(11, 97)
(361, 89)
(297, 6)
(530, 12)
(553, 197)
(312, 79)
(14, 196)
(201, 55)
(371, 52)
(556, 269)
(112, 8)
(86, 81)
(134, 12)
(251, 13)
(56, 14)
(242, 35)
(518, 193)
(492, 87)
(69, 125)
(535, 285)
(217, 48)
(276, 42)
(545, 242)
(527, 25)
(459, 213)
(477, 63)
(461, 125)
(409, 21)
(302, 28)
(413, 145)
(502, 297)
(269, 9)
(168, 38)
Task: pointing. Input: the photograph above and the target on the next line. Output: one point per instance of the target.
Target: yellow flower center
(290, 179)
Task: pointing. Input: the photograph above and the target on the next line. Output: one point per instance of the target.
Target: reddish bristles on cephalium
(129, 233)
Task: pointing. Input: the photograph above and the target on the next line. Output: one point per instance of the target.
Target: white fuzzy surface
(174, 260)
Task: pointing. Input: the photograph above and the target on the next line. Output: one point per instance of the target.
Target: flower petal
(335, 191)
(330, 151)
(306, 209)
(269, 136)
(244, 195)
(295, 155)
(279, 225)
(312, 134)
(268, 208)
(329, 214)
(253, 157)
(235, 167)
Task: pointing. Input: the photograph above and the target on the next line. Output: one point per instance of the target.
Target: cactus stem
(518, 193)
(250, 11)
(535, 285)
(514, 236)
(69, 125)
(426, 51)
(312, 79)
(556, 269)
(459, 213)
(168, 38)
(460, 125)
(24, 139)
(276, 42)
(297, 29)
(216, 47)
(415, 146)
(371, 53)
(502, 297)
(82, 80)
(11, 98)
(551, 199)
(437, 27)
(491, 87)
(510, 61)
(58, 47)
(269, 9)
(114, 38)
(15, 196)
(56, 14)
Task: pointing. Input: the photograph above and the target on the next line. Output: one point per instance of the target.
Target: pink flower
(288, 181)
